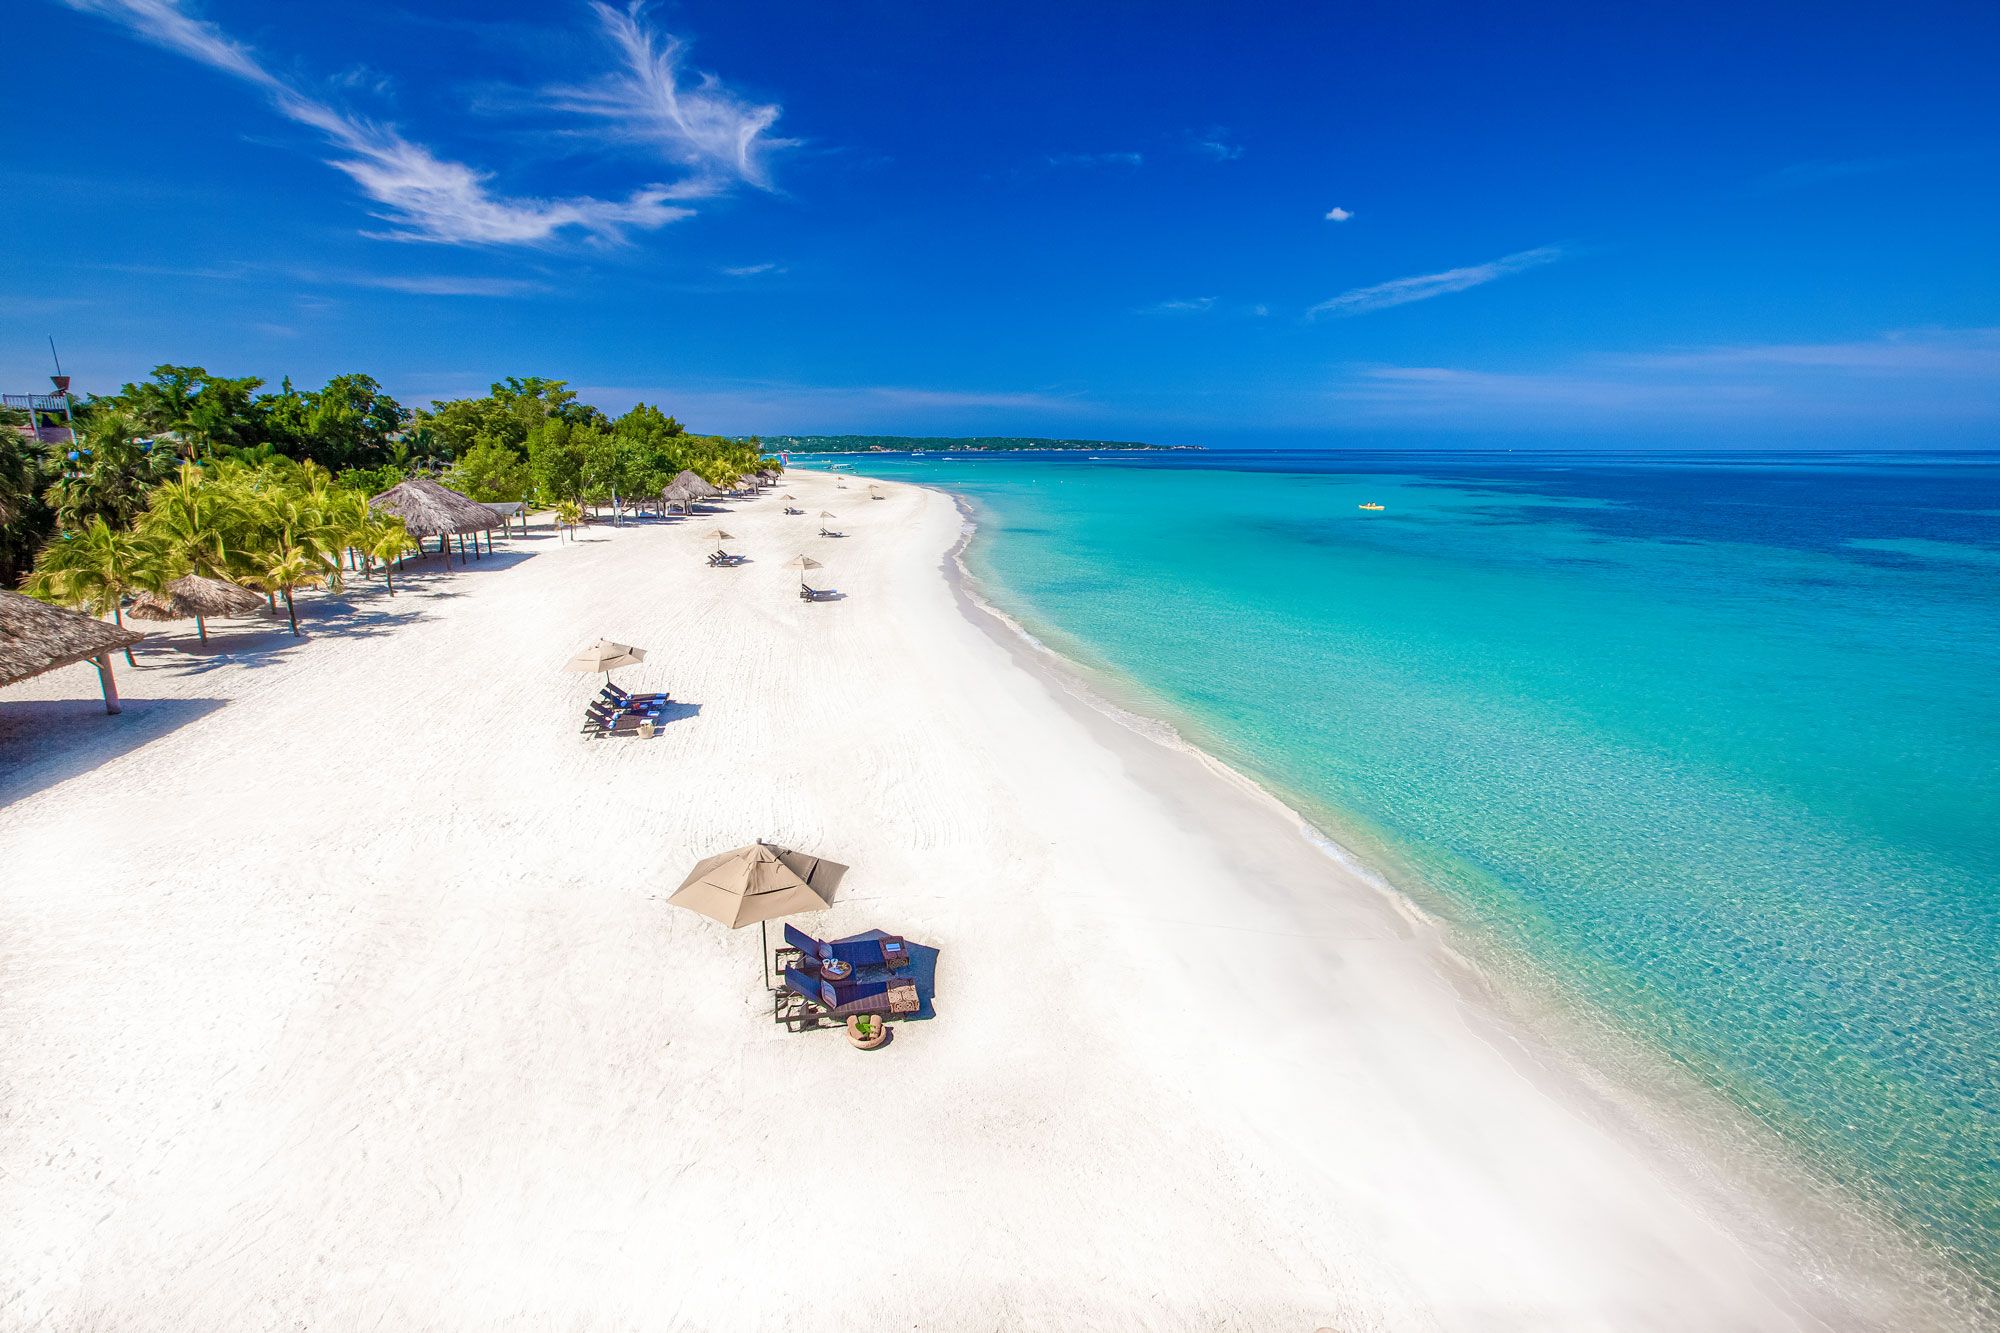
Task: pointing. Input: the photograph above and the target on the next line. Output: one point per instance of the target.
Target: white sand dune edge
(337, 989)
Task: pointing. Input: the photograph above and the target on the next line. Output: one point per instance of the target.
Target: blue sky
(1425, 223)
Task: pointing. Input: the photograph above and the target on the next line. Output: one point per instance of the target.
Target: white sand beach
(338, 989)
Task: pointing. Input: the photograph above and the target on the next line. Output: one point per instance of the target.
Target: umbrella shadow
(47, 741)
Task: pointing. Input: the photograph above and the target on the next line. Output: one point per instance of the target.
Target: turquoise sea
(1713, 740)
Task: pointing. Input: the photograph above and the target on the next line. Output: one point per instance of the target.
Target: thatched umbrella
(685, 489)
(196, 597)
(36, 637)
(758, 883)
(429, 509)
(802, 563)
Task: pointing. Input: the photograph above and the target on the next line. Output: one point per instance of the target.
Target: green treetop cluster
(528, 439)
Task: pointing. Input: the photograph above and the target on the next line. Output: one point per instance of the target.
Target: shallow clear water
(1713, 739)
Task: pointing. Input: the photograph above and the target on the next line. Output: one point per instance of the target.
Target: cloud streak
(1928, 375)
(1216, 145)
(1097, 159)
(1426, 286)
(422, 196)
(703, 127)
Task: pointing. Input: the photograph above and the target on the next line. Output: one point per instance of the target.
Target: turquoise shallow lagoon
(1713, 740)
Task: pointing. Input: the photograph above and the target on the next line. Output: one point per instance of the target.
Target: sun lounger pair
(618, 698)
(723, 559)
(807, 594)
(790, 510)
(827, 532)
(874, 950)
(807, 1001)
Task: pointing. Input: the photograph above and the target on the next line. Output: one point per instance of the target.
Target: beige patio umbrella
(718, 536)
(606, 656)
(802, 563)
(758, 883)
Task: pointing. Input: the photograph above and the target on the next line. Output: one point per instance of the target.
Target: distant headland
(939, 444)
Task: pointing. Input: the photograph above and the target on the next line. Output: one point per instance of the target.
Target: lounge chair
(810, 594)
(620, 699)
(890, 951)
(790, 510)
(825, 532)
(807, 1001)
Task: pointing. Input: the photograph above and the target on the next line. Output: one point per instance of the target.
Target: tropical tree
(491, 472)
(108, 472)
(286, 567)
(25, 519)
(387, 540)
(569, 517)
(97, 567)
(203, 413)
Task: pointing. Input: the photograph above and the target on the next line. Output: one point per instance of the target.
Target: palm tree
(569, 515)
(285, 567)
(98, 567)
(185, 517)
(387, 540)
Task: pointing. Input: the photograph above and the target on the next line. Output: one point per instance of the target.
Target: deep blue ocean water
(1712, 739)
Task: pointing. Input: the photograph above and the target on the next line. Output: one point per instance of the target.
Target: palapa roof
(429, 509)
(687, 486)
(36, 637)
(186, 598)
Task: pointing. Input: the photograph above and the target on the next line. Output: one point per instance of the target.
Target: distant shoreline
(948, 444)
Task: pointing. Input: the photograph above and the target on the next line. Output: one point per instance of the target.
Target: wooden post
(111, 704)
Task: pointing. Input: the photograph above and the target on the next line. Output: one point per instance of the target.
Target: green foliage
(489, 472)
(348, 424)
(197, 412)
(96, 567)
(509, 415)
(111, 474)
(25, 518)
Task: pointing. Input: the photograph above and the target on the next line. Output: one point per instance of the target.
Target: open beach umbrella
(757, 883)
(197, 598)
(606, 656)
(718, 536)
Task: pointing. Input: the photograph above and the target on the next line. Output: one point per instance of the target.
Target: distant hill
(928, 444)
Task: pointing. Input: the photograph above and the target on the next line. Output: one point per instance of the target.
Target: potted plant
(867, 1031)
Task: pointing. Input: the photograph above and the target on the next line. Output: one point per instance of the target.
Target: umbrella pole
(764, 954)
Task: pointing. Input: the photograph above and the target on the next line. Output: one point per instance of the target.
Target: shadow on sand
(47, 741)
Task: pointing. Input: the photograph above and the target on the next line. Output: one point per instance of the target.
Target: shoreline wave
(1633, 1084)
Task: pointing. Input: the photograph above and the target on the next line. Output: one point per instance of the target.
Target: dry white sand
(338, 990)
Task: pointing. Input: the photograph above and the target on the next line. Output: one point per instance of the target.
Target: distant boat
(1371, 505)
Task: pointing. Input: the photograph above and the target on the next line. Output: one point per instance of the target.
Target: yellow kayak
(1371, 506)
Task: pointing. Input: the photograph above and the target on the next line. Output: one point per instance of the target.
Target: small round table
(833, 969)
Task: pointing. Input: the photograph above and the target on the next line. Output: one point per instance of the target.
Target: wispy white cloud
(422, 196)
(1190, 306)
(445, 285)
(1423, 287)
(1096, 159)
(703, 127)
(752, 270)
(1926, 375)
(1216, 144)
(1337, 214)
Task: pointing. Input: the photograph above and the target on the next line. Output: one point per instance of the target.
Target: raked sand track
(338, 990)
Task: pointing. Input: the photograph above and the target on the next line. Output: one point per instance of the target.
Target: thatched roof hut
(196, 598)
(36, 637)
(685, 489)
(432, 510)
